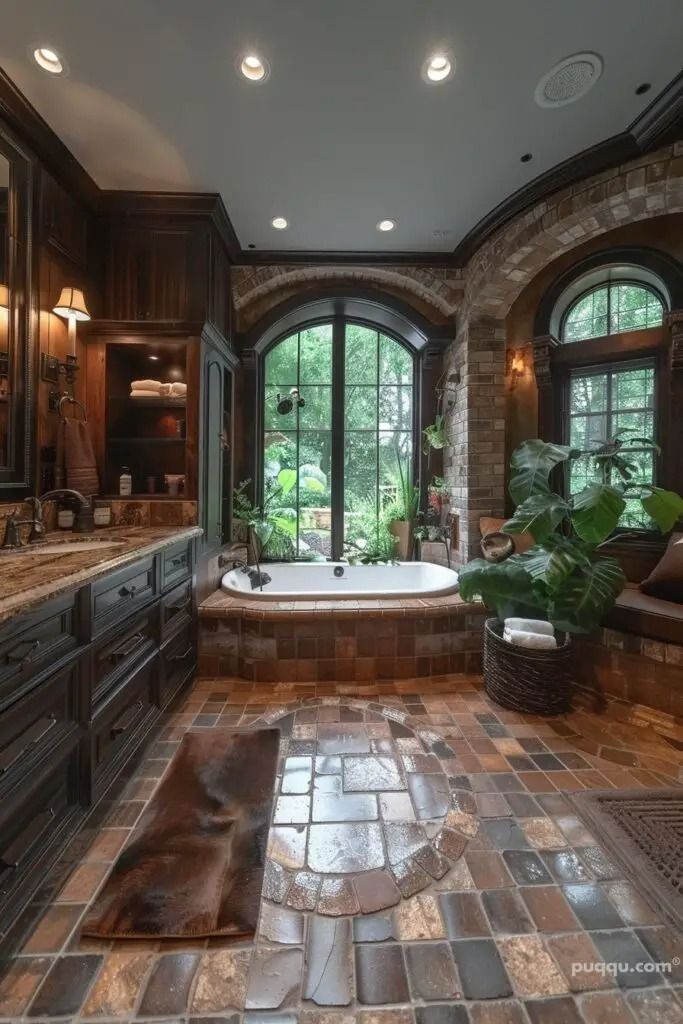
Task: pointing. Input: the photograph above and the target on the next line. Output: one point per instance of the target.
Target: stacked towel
(534, 633)
(178, 389)
(157, 389)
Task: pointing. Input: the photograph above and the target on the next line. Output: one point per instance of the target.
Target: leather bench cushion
(652, 617)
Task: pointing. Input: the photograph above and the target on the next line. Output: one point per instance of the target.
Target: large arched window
(612, 308)
(339, 426)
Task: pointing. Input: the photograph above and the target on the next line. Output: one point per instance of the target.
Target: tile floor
(424, 868)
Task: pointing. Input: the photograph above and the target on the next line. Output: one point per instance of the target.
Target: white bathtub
(294, 581)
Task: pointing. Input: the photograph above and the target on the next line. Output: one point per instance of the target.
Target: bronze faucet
(83, 517)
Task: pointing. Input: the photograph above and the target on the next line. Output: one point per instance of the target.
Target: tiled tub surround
(491, 941)
(310, 641)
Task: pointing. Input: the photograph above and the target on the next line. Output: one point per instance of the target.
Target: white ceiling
(344, 132)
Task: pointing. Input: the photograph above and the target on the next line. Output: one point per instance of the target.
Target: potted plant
(564, 578)
(435, 436)
(401, 513)
(267, 529)
(439, 499)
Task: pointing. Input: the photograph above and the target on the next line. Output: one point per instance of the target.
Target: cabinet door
(159, 274)
(216, 448)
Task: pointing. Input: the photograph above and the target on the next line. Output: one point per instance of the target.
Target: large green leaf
(539, 514)
(554, 560)
(286, 479)
(596, 511)
(531, 465)
(505, 587)
(665, 507)
(579, 604)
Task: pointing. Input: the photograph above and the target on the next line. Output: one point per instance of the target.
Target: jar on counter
(102, 513)
(65, 519)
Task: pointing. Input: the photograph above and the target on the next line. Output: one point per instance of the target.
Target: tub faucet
(255, 576)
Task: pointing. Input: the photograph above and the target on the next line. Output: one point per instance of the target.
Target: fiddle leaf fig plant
(564, 578)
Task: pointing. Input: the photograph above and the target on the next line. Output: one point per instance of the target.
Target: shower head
(286, 404)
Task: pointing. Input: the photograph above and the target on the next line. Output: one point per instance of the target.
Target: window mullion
(337, 443)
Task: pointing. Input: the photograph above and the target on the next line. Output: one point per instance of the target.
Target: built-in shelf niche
(149, 435)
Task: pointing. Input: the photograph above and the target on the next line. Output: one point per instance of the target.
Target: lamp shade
(4, 296)
(71, 304)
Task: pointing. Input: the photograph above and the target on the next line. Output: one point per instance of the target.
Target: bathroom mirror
(16, 385)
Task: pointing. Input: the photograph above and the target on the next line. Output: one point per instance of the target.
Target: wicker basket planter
(523, 679)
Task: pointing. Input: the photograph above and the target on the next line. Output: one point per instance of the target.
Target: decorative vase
(402, 529)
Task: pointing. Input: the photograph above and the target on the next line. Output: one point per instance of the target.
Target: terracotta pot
(402, 529)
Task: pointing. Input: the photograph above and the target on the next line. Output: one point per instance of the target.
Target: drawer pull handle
(126, 648)
(23, 651)
(178, 560)
(178, 607)
(35, 732)
(24, 843)
(181, 657)
(128, 591)
(126, 720)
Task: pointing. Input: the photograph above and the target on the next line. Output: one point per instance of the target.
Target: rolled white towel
(144, 393)
(178, 388)
(530, 626)
(146, 385)
(520, 638)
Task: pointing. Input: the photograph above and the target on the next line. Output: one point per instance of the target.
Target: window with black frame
(338, 435)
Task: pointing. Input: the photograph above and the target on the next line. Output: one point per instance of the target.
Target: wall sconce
(70, 305)
(4, 296)
(516, 366)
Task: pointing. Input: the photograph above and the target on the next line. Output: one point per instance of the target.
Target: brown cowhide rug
(194, 866)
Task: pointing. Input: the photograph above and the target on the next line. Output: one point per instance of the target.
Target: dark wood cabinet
(63, 222)
(216, 445)
(83, 680)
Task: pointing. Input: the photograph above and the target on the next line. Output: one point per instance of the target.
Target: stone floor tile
(431, 795)
(292, 810)
(83, 883)
(463, 915)
(303, 892)
(329, 973)
(507, 912)
(549, 908)
(287, 845)
(553, 1011)
(221, 981)
(18, 985)
(330, 803)
(53, 929)
(393, 1016)
(337, 897)
(450, 843)
(343, 738)
(543, 833)
(371, 774)
(630, 905)
(275, 882)
(530, 967)
(168, 989)
(410, 877)
(526, 867)
(328, 765)
(577, 956)
(65, 987)
(442, 1013)
(274, 979)
(565, 866)
(327, 1017)
(381, 974)
(605, 1008)
(463, 821)
(433, 862)
(458, 879)
(421, 762)
(403, 840)
(623, 947)
(376, 890)
(396, 807)
(431, 971)
(345, 848)
(297, 775)
(664, 946)
(598, 863)
(656, 1006)
(419, 918)
(591, 906)
(481, 970)
(373, 928)
(277, 925)
(118, 985)
(488, 869)
(497, 1012)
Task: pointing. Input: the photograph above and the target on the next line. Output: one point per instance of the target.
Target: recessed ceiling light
(154, 359)
(437, 68)
(254, 68)
(642, 89)
(386, 225)
(280, 223)
(48, 60)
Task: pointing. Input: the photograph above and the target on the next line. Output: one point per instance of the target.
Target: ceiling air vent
(569, 80)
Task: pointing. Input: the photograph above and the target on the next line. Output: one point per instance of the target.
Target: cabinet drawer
(31, 838)
(122, 593)
(33, 643)
(176, 563)
(120, 726)
(116, 654)
(178, 662)
(176, 608)
(31, 731)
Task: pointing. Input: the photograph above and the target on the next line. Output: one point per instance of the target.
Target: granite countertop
(30, 578)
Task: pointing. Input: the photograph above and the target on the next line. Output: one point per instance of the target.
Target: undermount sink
(63, 547)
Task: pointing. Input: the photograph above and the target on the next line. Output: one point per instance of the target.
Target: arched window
(339, 427)
(612, 308)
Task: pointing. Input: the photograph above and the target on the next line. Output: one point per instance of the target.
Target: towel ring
(72, 401)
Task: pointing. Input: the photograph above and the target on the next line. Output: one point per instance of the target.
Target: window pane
(317, 412)
(394, 447)
(360, 487)
(315, 515)
(586, 430)
(635, 388)
(315, 355)
(281, 363)
(631, 307)
(360, 408)
(588, 393)
(395, 362)
(395, 408)
(360, 355)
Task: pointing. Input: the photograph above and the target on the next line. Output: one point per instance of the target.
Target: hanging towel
(147, 385)
(80, 468)
(519, 638)
(178, 389)
(530, 626)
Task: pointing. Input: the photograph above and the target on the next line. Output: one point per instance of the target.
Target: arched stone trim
(647, 187)
(440, 288)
